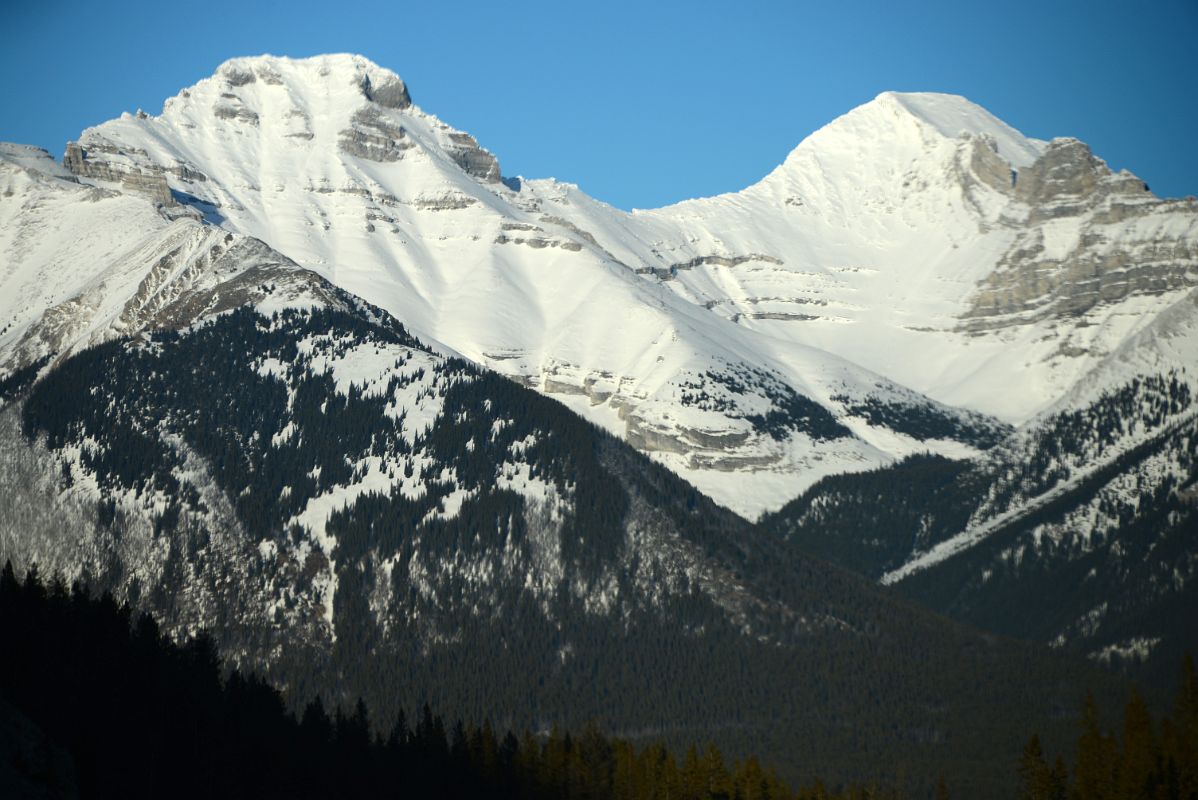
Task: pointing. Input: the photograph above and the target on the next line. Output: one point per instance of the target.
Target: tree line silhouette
(1144, 759)
(137, 715)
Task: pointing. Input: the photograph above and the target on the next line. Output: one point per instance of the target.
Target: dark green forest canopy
(95, 702)
(1142, 757)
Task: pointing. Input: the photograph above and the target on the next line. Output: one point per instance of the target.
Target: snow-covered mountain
(223, 438)
(248, 357)
(327, 161)
(916, 252)
(84, 264)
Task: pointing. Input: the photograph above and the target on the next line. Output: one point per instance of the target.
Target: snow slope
(85, 264)
(873, 239)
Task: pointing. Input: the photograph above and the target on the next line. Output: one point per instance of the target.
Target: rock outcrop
(388, 92)
(230, 106)
(84, 163)
(373, 137)
(1089, 236)
(476, 161)
(1069, 179)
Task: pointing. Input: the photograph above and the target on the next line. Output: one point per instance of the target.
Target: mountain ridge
(438, 525)
(294, 361)
(916, 252)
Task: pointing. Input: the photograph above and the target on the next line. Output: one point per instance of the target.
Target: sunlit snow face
(869, 263)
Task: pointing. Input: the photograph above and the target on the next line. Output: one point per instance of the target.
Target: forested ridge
(624, 598)
(1083, 528)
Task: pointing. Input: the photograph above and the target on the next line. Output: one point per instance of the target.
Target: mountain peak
(868, 158)
(952, 115)
(377, 84)
(921, 119)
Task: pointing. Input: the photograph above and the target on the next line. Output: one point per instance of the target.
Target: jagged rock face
(988, 166)
(93, 165)
(373, 137)
(1030, 285)
(1066, 171)
(388, 92)
(473, 159)
(1068, 178)
(1088, 237)
(230, 107)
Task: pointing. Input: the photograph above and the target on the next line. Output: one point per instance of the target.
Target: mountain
(225, 439)
(1077, 533)
(295, 362)
(916, 253)
(1075, 530)
(510, 279)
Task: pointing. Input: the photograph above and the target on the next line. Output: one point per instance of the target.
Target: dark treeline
(1143, 760)
(138, 716)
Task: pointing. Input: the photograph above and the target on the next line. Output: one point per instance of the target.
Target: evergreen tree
(1139, 752)
(1096, 763)
(1039, 781)
(942, 789)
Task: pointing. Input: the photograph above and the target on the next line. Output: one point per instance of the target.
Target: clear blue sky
(645, 103)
